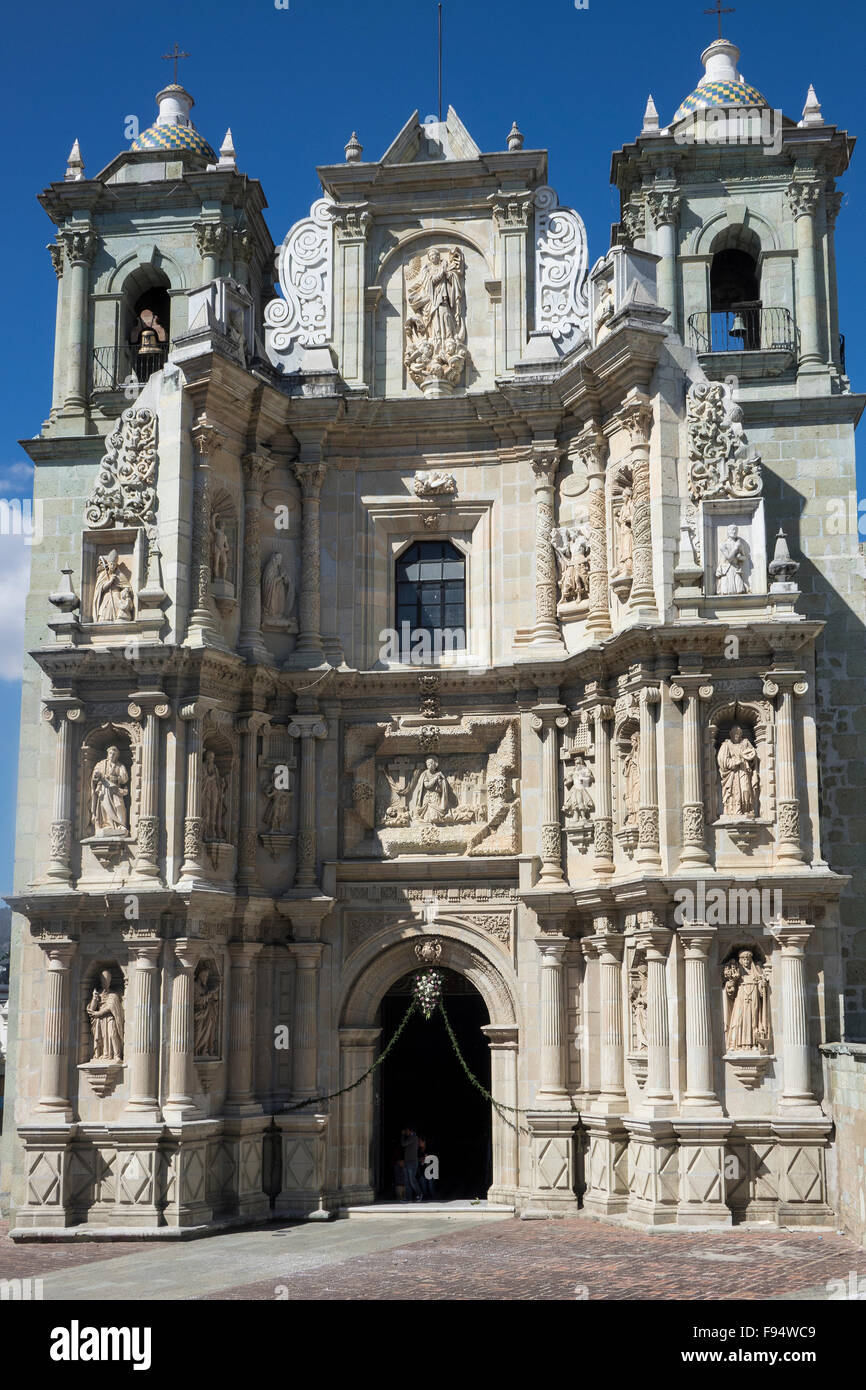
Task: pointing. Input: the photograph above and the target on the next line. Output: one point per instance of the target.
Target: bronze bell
(149, 343)
(738, 328)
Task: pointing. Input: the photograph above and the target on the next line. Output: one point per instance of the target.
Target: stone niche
(413, 788)
(109, 792)
(112, 568)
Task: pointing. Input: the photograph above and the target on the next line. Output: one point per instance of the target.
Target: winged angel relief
(435, 334)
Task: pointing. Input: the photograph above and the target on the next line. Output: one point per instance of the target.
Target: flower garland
(427, 988)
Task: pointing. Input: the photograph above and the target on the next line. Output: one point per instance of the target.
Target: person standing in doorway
(409, 1145)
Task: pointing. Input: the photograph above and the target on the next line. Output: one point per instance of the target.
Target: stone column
(609, 944)
(697, 940)
(358, 1049)
(636, 417)
(54, 1086)
(592, 448)
(793, 937)
(239, 1097)
(603, 821)
(589, 1022)
(249, 725)
(308, 728)
(503, 1041)
(546, 720)
(305, 1054)
(803, 197)
(55, 249)
(257, 468)
(211, 239)
(545, 462)
(832, 205)
(552, 1093)
(62, 716)
(691, 690)
(511, 212)
(308, 650)
(149, 707)
(193, 828)
(180, 1104)
(664, 209)
(786, 686)
(81, 246)
(657, 1096)
(203, 625)
(142, 1038)
(648, 808)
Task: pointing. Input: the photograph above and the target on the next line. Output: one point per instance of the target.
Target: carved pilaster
(54, 1087)
(257, 468)
(309, 728)
(592, 448)
(603, 821)
(310, 476)
(547, 720)
(240, 1099)
(692, 690)
(142, 1039)
(203, 627)
(636, 418)
(80, 245)
(212, 238)
(648, 807)
(180, 1104)
(250, 727)
(784, 686)
(545, 463)
(149, 707)
(63, 716)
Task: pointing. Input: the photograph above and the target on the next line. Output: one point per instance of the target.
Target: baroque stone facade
(248, 807)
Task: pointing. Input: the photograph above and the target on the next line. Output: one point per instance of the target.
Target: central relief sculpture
(435, 326)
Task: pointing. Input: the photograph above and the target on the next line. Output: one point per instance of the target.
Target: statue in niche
(113, 600)
(435, 331)
(278, 593)
(214, 792)
(638, 1000)
(747, 989)
(109, 789)
(206, 1011)
(577, 802)
(738, 769)
(105, 1012)
(624, 522)
(631, 780)
(572, 550)
(733, 558)
(220, 550)
(431, 796)
(278, 810)
(604, 309)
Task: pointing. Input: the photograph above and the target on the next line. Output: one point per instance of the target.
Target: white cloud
(14, 583)
(16, 474)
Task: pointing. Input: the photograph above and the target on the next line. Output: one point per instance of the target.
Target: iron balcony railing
(125, 368)
(743, 330)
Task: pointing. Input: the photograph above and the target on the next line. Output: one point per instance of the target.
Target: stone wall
(845, 1090)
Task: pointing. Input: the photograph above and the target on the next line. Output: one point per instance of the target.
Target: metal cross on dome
(178, 53)
(717, 10)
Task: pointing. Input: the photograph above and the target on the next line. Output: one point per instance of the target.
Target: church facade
(461, 601)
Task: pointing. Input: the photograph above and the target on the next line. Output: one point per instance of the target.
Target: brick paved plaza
(438, 1257)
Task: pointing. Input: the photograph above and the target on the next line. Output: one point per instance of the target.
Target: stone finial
(650, 118)
(227, 159)
(74, 165)
(812, 110)
(782, 569)
(354, 150)
(515, 138)
(64, 596)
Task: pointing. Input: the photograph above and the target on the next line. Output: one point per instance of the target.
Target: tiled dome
(719, 94)
(173, 137)
(173, 129)
(721, 84)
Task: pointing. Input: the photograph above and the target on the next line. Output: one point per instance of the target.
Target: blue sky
(293, 83)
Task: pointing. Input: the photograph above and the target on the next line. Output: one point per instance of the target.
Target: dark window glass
(424, 599)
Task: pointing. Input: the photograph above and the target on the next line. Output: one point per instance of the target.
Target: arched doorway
(423, 1086)
(365, 1017)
